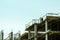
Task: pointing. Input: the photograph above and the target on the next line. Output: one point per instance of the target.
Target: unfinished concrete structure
(10, 36)
(17, 36)
(24, 36)
(45, 28)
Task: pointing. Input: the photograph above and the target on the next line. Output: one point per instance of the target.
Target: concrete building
(45, 28)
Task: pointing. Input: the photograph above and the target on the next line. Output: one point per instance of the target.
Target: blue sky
(14, 14)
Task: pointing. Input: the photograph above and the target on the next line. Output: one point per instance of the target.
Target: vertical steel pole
(35, 30)
(46, 29)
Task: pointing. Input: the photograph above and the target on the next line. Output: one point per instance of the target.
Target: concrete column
(29, 35)
(19, 35)
(2, 35)
(11, 35)
(19, 38)
(46, 29)
(35, 32)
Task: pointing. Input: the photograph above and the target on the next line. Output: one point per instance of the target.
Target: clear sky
(14, 14)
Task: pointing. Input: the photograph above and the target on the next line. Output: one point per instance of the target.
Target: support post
(2, 34)
(19, 38)
(29, 35)
(11, 35)
(35, 30)
(46, 29)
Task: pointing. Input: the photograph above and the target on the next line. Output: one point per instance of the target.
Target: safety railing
(32, 22)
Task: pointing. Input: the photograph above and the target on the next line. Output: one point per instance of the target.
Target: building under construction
(44, 28)
(12, 36)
